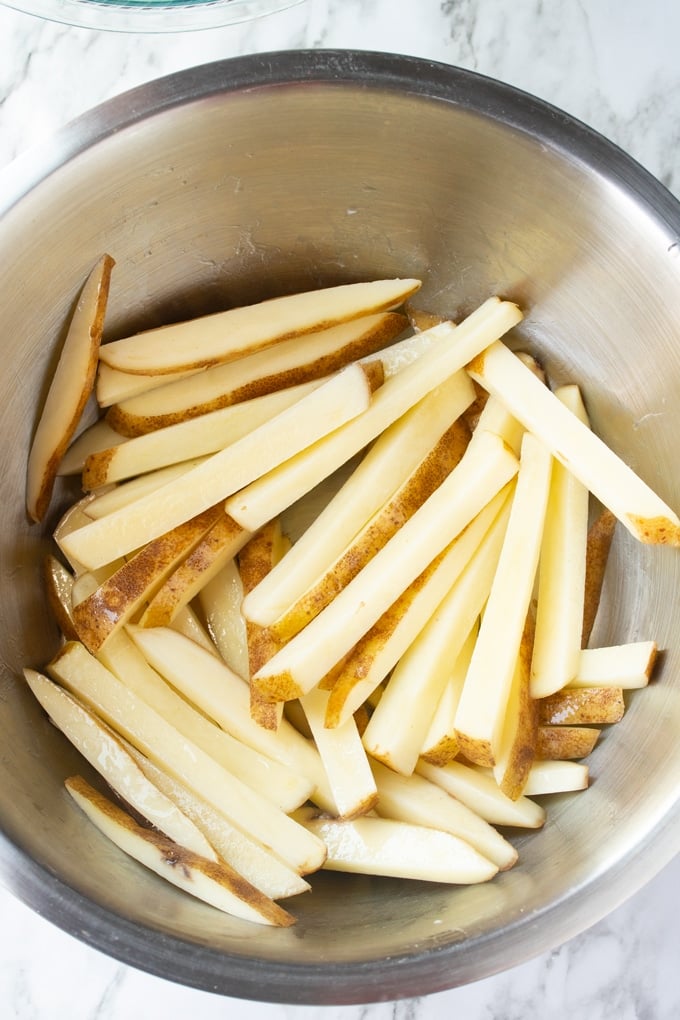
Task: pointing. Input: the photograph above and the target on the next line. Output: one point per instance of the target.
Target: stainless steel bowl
(257, 176)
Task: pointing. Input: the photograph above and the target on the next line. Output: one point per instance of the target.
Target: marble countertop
(611, 63)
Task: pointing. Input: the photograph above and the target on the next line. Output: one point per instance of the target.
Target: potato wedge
(215, 883)
(480, 792)
(628, 666)
(440, 745)
(240, 331)
(557, 777)
(69, 389)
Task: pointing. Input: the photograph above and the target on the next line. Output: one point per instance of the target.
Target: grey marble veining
(614, 66)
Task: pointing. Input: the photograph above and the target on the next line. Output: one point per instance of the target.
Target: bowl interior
(258, 177)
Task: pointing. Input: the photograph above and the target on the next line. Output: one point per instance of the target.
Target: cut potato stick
(198, 437)
(416, 800)
(75, 517)
(410, 496)
(69, 389)
(480, 714)
(559, 743)
(598, 544)
(220, 601)
(383, 846)
(556, 777)
(343, 757)
(440, 744)
(187, 622)
(392, 458)
(628, 666)
(480, 792)
(215, 883)
(224, 697)
(615, 484)
(112, 385)
(561, 574)
(468, 563)
(219, 545)
(336, 401)
(287, 364)
(104, 751)
(517, 747)
(116, 496)
(280, 488)
(256, 863)
(151, 734)
(284, 787)
(240, 331)
(400, 721)
(119, 597)
(58, 588)
(581, 706)
(97, 437)
(304, 660)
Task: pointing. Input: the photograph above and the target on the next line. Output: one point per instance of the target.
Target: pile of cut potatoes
(384, 689)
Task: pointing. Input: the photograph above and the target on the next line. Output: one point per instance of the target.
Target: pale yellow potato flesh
(240, 331)
(389, 462)
(213, 882)
(58, 588)
(220, 602)
(481, 709)
(94, 439)
(186, 621)
(285, 365)
(383, 846)
(69, 389)
(440, 744)
(114, 497)
(112, 385)
(416, 800)
(133, 719)
(480, 791)
(307, 657)
(596, 466)
(519, 733)
(561, 573)
(628, 666)
(556, 777)
(343, 397)
(107, 755)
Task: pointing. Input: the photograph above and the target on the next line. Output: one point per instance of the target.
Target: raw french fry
(440, 744)
(240, 331)
(517, 748)
(383, 846)
(118, 598)
(116, 496)
(284, 787)
(224, 697)
(187, 622)
(556, 777)
(287, 364)
(336, 401)
(598, 544)
(416, 800)
(58, 588)
(112, 385)
(105, 752)
(99, 436)
(218, 546)
(198, 437)
(580, 706)
(215, 883)
(343, 757)
(562, 571)
(151, 734)
(220, 601)
(69, 389)
(408, 498)
(481, 709)
(277, 490)
(558, 743)
(615, 484)
(394, 455)
(628, 666)
(480, 792)
(401, 720)
(469, 562)
(304, 660)
(256, 863)
(75, 517)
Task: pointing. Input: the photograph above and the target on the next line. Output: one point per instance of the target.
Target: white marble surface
(613, 64)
